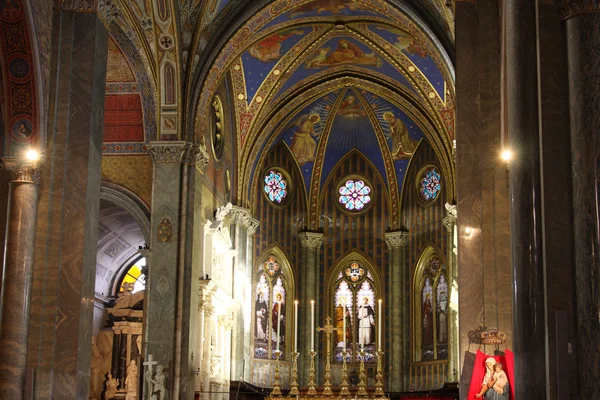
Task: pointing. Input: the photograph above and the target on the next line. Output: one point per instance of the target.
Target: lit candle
(312, 325)
(344, 325)
(296, 326)
(379, 318)
(278, 322)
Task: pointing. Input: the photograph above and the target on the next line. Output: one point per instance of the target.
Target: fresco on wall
(416, 52)
(260, 58)
(340, 52)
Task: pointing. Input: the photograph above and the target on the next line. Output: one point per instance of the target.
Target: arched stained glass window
(270, 309)
(354, 298)
(354, 195)
(133, 281)
(429, 184)
(276, 187)
(431, 311)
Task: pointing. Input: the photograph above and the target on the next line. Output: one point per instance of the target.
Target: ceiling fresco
(340, 122)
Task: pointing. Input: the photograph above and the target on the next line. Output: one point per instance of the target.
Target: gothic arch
(130, 202)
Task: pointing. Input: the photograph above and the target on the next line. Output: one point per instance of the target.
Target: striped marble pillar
(17, 278)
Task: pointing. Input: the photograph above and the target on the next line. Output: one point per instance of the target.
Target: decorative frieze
(311, 240)
(570, 8)
(166, 152)
(396, 239)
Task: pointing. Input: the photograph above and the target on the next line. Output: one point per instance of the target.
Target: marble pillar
(17, 278)
(529, 287)
(583, 38)
(161, 284)
(449, 222)
(244, 227)
(62, 298)
(396, 346)
(311, 243)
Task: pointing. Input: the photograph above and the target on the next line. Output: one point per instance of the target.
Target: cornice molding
(242, 217)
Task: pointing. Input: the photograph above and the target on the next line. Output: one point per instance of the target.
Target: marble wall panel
(67, 226)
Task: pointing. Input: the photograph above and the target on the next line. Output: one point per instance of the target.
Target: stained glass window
(270, 309)
(275, 187)
(134, 280)
(432, 312)
(354, 298)
(354, 195)
(430, 184)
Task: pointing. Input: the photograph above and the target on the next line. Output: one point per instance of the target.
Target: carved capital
(450, 220)
(311, 240)
(226, 321)
(570, 8)
(166, 152)
(24, 173)
(396, 239)
(195, 154)
(242, 217)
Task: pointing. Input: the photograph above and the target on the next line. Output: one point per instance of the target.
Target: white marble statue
(156, 385)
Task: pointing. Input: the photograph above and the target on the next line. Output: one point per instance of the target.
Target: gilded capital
(166, 152)
(570, 8)
(242, 217)
(311, 240)
(396, 239)
(22, 172)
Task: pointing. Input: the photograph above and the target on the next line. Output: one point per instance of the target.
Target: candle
(296, 326)
(278, 322)
(379, 318)
(344, 329)
(312, 325)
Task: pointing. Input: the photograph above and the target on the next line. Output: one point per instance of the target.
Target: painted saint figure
(303, 144)
(345, 53)
(341, 312)
(366, 323)
(269, 49)
(261, 316)
(402, 144)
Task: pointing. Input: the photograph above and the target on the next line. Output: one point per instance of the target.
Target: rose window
(430, 184)
(275, 187)
(354, 195)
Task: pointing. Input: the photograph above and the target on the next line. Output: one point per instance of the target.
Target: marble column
(583, 37)
(453, 346)
(61, 316)
(395, 352)
(529, 315)
(405, 311)
(161, 284)
(311, 243)
(243, 223)
(17, 277)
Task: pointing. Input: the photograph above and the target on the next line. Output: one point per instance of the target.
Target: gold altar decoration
(328, 391)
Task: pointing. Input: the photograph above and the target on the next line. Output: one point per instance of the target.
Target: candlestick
(312, 325)
(296, 326)
(294, 385)
(379, 318)
(276, 388)
(344, 328)
(312, 391)
(278, 323)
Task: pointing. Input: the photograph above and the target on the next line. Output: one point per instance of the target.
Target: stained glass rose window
(354, 195)
(275, 187)
(430, 184)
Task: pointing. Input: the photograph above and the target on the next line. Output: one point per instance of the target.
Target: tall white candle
(295, 326)
(344, 325)
(312, 325)
(278, 323)
(379, 318)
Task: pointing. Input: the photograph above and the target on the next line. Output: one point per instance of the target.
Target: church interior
(234, 199)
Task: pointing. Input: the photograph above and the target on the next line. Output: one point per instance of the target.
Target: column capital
(163, 152)
(195, 154)
(396, 239)
(311, 240)
(450, 220)
(242, 217)
(570, 8)
(23, 172)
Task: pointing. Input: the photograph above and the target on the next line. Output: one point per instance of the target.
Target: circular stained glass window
(354, 195)
(430, 184)
(276, 187)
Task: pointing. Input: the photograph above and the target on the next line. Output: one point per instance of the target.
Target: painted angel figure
(303, 143)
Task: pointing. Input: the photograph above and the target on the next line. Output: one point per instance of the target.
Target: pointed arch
(430, 303)
(274, 288)
(353, 293)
